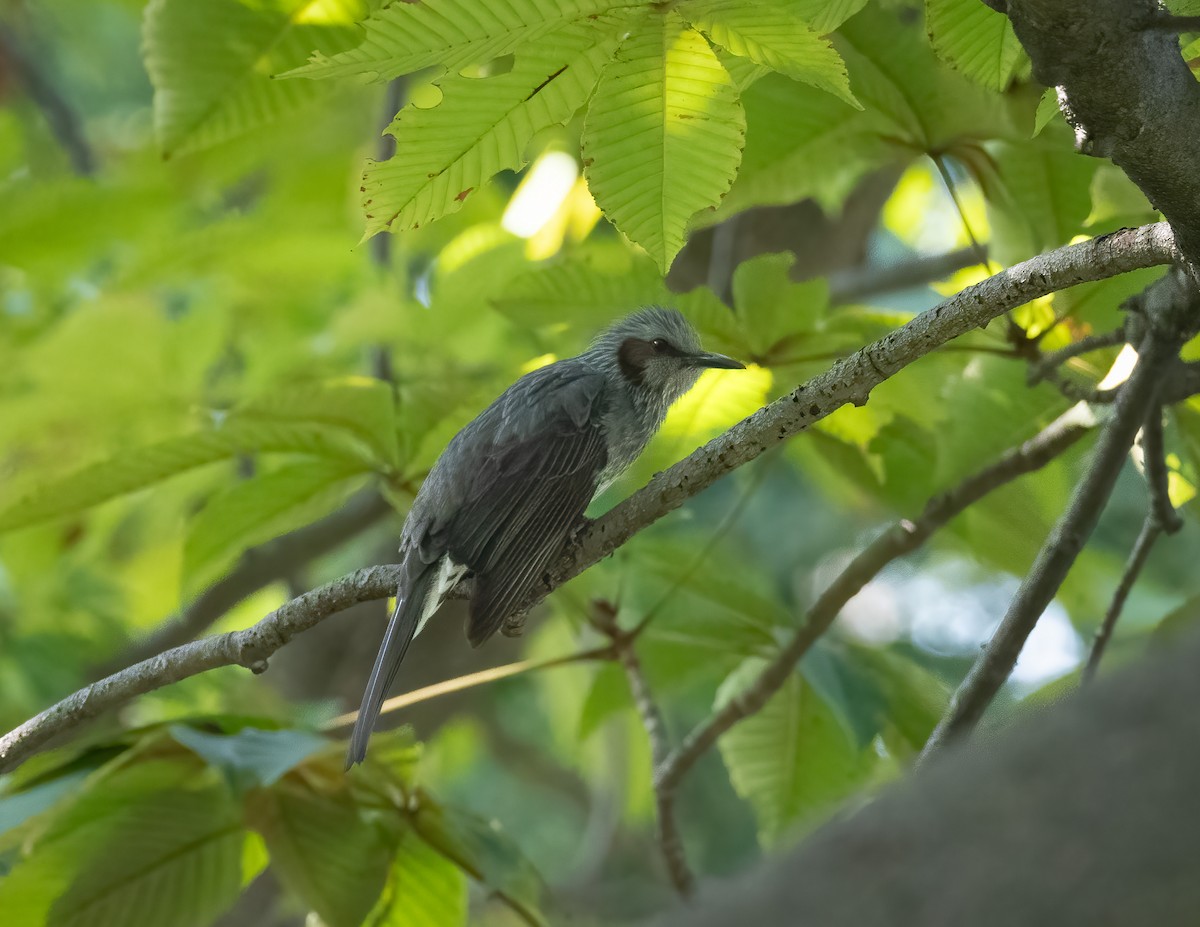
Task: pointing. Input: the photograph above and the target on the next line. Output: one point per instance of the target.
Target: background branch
(901, 538)
(848, 286)
(1139, 394)
(850, 380)
(1150, 532)
(65, 124)
(258, 567)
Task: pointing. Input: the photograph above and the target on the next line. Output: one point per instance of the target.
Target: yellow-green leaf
(663, 136)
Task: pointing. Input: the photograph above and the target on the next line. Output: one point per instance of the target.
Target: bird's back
(505, 493)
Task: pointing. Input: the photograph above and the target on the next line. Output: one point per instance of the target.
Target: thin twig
(901, 538)
(65, 124)
(603, 617)
(472, 680)
(1151, 529)
(848, 381)
(1051, 361)
(1154, 461)
(716, 536)
(981, 255)
(1061, 548)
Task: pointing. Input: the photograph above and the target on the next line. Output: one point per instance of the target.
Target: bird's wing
(529, 485)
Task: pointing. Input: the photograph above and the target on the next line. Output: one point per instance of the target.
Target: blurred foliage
(196, 359)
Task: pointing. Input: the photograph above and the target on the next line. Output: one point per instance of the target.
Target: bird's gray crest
(646, 325)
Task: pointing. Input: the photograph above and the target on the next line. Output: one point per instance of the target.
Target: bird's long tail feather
(403, 626)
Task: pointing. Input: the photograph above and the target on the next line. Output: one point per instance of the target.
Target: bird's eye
(659, 344)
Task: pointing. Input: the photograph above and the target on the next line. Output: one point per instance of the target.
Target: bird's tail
(406, 618)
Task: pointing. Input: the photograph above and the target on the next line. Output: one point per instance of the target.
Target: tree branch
(850, 380)
(257, 568)
(1130, 96)
(1150, 532)
(848, 286)
(604, 618)
(249, 648)
(1158, 349)
(901, 538)
(1154, 462)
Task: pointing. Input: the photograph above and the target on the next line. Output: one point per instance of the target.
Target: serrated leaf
(211, 62)
(180, 858)
(482, 126)
(322, 849)
(1042, 196)
(975, 39)
(405, 37)
(823, 15)
(771, 35)
(424, 889)
(586, 290)
(145, 466)
(791, 760)
(820, 150)
(360, 406)
(480, 847)
(259, 508)
(351, 421)
(251, 757)
(663, 135)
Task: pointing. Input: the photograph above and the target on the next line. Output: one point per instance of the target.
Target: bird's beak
(716, 360)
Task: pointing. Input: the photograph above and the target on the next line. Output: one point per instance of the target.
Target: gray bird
(503, 497)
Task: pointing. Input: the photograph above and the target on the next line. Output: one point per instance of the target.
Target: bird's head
(657, 352)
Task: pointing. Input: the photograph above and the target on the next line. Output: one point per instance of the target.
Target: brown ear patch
(633, 355)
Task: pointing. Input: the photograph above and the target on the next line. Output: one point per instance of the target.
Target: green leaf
(663, 135)
(586, 290)
(424, 889)
(607, 693)
(820, 150)
(482, 126)
(975, 39)
(771, 35)
(159, 843)
(1042, 197)
(1047, 109)
(878, 691)
(252, 756)
(211, 62)
(822, 15)
(262, 507)
(405, 37)
(772, 308)
(362, 407)
(479, 846)
(350, 420)
(793, 759)
(322, 849)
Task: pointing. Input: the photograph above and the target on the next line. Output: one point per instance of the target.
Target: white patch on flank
(449, 575)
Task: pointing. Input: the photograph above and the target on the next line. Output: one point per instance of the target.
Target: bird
(505, 495)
